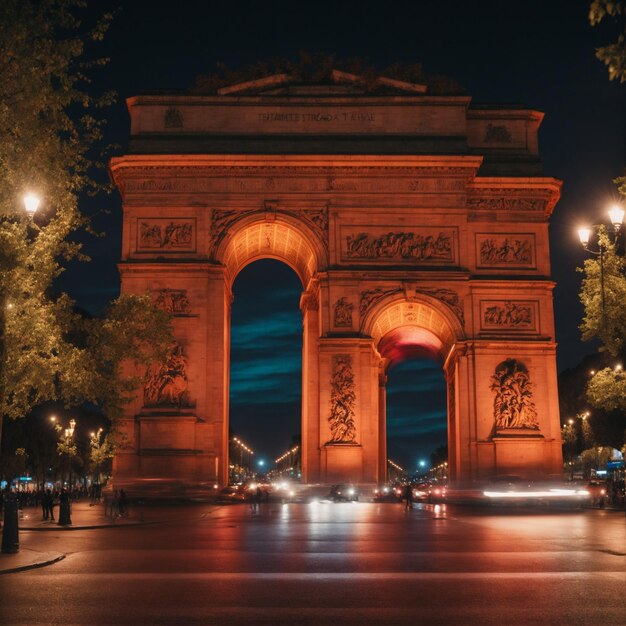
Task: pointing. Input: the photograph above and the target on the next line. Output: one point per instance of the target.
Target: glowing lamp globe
(31, 203)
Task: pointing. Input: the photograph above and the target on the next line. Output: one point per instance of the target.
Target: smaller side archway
(405, 328)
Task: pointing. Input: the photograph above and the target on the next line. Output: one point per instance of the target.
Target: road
(331, 563)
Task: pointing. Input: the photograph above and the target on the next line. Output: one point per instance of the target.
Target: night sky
(539, 53)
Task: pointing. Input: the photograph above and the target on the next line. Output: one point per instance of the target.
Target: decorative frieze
(342, 401)
(343, 313)
(506, 203)
(166, 235)
(241, 179)
(508, 314)
(173, 301)
(166, 384)
(499, 250)
(437, 247)
(513, 406)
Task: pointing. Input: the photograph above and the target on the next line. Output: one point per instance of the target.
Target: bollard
(64, 510)
(10, 532)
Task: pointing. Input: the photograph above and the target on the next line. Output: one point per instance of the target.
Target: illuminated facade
(417, 224)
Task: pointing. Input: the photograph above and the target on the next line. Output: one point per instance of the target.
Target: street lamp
(31, 204)
(616, 215)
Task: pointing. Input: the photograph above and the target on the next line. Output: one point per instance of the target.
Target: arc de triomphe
(417, 224)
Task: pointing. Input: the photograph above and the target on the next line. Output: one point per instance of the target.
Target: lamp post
(31, 204)
(616, 216)
(10, 529)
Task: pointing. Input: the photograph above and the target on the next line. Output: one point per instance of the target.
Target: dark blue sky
(537, 52)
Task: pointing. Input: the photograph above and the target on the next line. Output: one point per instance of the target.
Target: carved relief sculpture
(449, 297)
(496, 133)
(166, 234)
(342, 400)
(173, 301)
(509, 314)
(369, 297)
(173, 118)
(167, 384)
(506, 203)
(506, 251)
(400, 245)
(513, 406)
(343, 313)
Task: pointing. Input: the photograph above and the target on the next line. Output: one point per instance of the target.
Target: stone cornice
(536, 195)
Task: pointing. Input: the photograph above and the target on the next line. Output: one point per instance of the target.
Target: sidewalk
(85, 517)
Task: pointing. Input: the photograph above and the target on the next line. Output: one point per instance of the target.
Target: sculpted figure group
(342, 399)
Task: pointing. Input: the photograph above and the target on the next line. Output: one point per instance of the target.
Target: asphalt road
(329, 563)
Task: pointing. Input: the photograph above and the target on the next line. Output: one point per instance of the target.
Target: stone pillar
(382, 426)
(310, 445)
(349, 405)
(218, 307)
(485, 439)
(460, 378)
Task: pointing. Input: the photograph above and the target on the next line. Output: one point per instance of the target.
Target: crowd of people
(115, 503)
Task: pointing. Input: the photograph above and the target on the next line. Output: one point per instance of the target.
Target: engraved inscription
(173, 301)
(401, 246)
(506, 250)
(318, 116)
(166, 234)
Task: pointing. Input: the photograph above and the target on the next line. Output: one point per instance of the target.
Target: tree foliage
(603, 294)
(49, 127)
(613, 55)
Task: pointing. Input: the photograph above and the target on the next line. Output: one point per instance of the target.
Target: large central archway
(416, 224)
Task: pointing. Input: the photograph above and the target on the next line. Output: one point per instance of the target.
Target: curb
(56, 527)
(45, 529)
(29, 566)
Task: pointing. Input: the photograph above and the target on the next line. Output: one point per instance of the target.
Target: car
(437, 493)
(597, 491)
(420, 491)
(344, 493)
(231, 494)
(386, 493)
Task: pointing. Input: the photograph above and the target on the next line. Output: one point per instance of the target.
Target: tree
(602, 294)
(612, 55)
(101, 451)
(49, 127)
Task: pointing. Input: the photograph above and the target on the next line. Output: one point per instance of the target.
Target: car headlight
(350, 492)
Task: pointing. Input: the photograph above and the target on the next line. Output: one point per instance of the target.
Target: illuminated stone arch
(397, 249)
(424, 321)
(282, 237)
